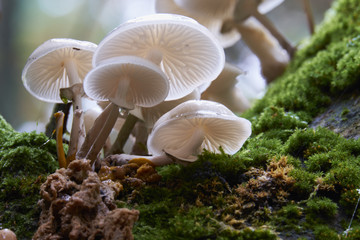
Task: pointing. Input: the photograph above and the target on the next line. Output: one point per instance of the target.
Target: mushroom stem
(309, 16)
(155, 56)
(59, 118)
(272, 56)
(77, 134)
(71, 70)
(97, 135)
(141, 133)
(191, 148)
(123, 90)
(123, 135)
(272, 29)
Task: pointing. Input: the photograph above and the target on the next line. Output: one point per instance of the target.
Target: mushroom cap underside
(127, 81)
(220, 128)
(45, 72)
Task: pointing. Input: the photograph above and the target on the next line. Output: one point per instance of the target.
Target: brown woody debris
(77, 205)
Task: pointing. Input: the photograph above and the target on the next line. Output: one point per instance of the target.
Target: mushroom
(186, 51)
(192, 126)
(54, 71)
(126, 81)
(224, 90)
(185, 131)
(211, 21)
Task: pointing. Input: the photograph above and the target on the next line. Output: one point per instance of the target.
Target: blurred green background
(25, 24)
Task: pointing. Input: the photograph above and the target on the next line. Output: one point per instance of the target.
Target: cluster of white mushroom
(153, 67)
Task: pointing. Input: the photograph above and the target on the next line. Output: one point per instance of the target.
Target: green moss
(321, 207)
(288, 218)
(304, 183)
(259, 150)
(326, 64)
(25, 160)
(304, 143)
(324, 232)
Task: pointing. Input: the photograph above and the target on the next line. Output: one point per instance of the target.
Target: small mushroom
(186, 51)
(126, 81)
(55, 64)
(185, 131)
(205, 14)
(57, 67)
(192, 126)
(224, 90)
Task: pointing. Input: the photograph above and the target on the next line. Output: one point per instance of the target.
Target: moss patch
(25, 161)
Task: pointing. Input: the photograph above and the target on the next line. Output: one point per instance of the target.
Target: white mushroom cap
(57, 63)
(211, 22)
(204, 124)
(185, 50)
(127, 81)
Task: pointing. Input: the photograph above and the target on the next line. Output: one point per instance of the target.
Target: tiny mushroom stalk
(185, 131)
(59, 119)
(126, 81)
(55, 71)
(309, 16)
